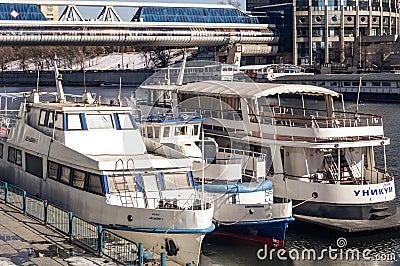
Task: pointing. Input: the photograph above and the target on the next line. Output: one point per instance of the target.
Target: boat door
(152, 191)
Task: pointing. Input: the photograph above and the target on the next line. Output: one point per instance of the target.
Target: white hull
(189, 245)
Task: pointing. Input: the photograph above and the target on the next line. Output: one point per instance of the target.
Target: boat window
(78, 179)
(65, 174)
(376, 84)
(150, 132)
(1, 150)
(99, 121)
(42, 117)
(125, 121)
(176, 181)
(18, 157)
(50, 123)
(33, 165)
(94, 184)
(196, 130)
(58, 123)
(180, 130)
(346, 84)
(150, 183)
(355, 83)
(156, 132)
(11, 154)
(166, 132)
(386, 84)
(334, 83)
(52, 170)
(74, 122)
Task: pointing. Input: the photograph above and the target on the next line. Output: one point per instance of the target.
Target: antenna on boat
(203, 165)
(34, 95)
(179, 80)
(119, 92)
(58, 76)
(358, 95)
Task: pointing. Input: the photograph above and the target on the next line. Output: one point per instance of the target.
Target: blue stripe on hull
(162, 230)
(272, 229)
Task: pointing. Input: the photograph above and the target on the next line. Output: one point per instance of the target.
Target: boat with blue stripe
(90, 158)
(234, 180)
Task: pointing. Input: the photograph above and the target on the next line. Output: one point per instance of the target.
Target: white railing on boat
(301, 117)
(8, 118)
(286, 116)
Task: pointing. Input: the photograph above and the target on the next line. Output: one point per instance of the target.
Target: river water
(380, 248)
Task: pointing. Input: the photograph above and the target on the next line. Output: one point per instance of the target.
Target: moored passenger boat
(234, 180)
(90, 158)
(323, 159)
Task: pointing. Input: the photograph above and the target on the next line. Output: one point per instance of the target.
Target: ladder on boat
(122, 187)
(355, 172)
(332, 166)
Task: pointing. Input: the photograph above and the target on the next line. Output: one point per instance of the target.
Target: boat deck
(352, 226)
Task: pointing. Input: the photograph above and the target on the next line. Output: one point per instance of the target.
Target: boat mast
(60, 90)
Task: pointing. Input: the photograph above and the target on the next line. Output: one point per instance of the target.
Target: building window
(1, 150)
(34, 165)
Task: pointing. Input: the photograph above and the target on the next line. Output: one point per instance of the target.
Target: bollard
(70, 225)
(6, 192)
(140, 254)
(46, 216)
(100, 240)
(24, 202)
(163, 259)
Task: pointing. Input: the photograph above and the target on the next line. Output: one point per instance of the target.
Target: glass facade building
(325, 31)
(193, 15)
(20, 12)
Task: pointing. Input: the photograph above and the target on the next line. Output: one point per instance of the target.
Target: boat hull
(271, 232)
(188, 245)
(371, 211)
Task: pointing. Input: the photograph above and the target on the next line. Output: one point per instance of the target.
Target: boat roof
(248, 89)
(75, 106)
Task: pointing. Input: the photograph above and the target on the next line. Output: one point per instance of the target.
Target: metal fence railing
(96, 239)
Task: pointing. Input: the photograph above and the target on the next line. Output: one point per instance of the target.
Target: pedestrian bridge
(147, 24)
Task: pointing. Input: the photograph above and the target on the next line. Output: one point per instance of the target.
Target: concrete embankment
(77, 78)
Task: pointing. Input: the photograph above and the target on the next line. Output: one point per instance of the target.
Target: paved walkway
(25, 241)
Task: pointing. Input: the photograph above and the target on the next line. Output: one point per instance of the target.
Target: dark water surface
(382, 247)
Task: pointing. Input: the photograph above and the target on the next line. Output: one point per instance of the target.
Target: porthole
(349, 19)
(374, 19)
(318, 19)
(334, 19)
(302, 20)
(363, 19)
(130, 218)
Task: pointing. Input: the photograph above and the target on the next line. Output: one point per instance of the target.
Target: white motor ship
(234, 180)
(91, 159)
(323, 158)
